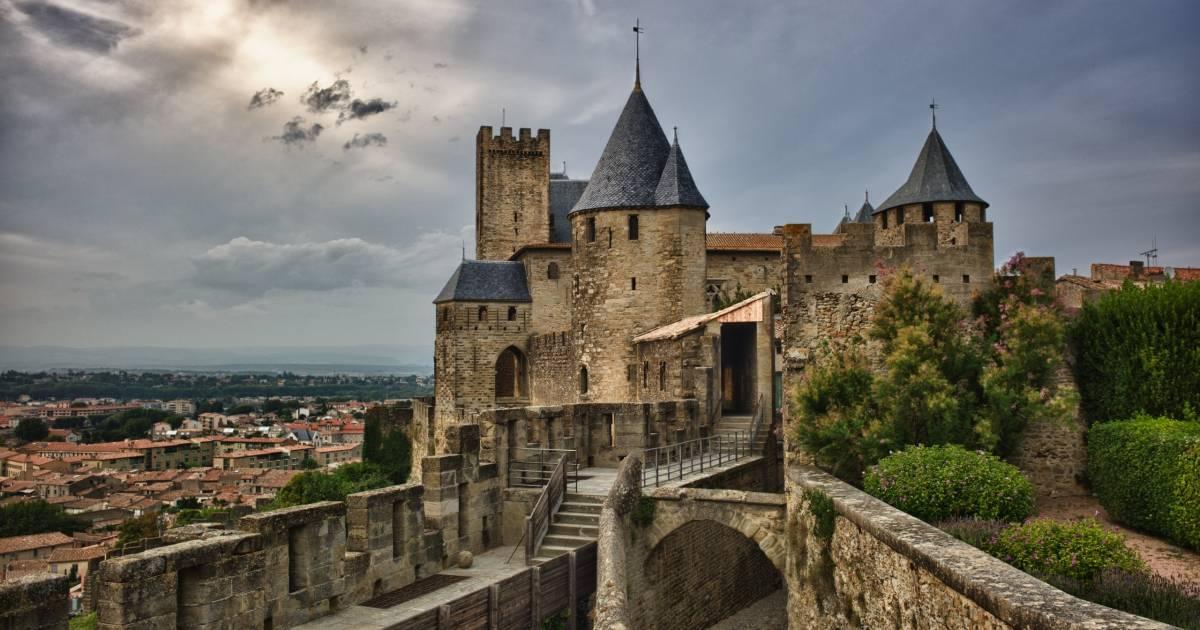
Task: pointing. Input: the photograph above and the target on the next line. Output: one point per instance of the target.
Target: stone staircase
(732, 424)
(575, 524)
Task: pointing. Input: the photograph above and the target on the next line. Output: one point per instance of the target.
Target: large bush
(1078, 549)
(937, 380)
(1146, 472)
(313, 486)
(936, 483)
(1138, 350)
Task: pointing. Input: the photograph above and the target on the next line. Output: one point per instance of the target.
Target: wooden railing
(548, 502)
(534, 466)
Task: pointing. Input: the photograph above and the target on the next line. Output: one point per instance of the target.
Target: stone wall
(674, 369)
(551, 295)
(752, 272)
(1053, 455)
(470, 338)
(667, 262)
(882, 568)
(512, 191)
(34, 602)
(552, 368)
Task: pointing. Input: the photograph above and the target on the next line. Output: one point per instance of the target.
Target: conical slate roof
(486, 281)
(630, 170)
(864, 213)
(676, 186)
(935, 177)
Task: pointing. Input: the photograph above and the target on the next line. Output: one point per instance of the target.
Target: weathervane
(637, 43)
(933, 107)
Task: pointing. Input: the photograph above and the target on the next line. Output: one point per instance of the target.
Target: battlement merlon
(799, 237)
(524, 136)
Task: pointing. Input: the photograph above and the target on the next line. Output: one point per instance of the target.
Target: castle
(611, 291)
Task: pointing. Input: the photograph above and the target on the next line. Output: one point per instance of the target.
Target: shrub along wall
(1138, 350)
(1146, 472)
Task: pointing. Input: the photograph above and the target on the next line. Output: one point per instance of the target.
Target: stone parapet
(36, 602)
(884, 568)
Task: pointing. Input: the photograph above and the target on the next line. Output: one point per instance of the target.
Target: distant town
(85, 472)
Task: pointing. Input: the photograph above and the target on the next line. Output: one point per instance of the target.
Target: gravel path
(768, 613)
(1164, 558)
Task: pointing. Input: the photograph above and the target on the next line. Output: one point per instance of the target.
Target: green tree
(36, 517)
(314, 486)
(138, 529)
(32, 430)
(385, 442)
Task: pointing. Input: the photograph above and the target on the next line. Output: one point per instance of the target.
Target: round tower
(638, 251)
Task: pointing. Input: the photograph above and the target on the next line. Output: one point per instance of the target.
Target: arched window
(662, 376)
(552, 271)
(482, 315)
(583, 380)
(512, 313)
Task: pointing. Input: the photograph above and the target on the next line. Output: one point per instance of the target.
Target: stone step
(573, 542)
(583, 498)
(572, 529)
(576, 518)
(549, 552)
(580, 507)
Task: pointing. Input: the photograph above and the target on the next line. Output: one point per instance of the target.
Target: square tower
(512, 191)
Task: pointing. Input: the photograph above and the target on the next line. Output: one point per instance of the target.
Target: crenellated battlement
(505, 138)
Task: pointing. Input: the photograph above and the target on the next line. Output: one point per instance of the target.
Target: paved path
(489, 567)
(768, 613)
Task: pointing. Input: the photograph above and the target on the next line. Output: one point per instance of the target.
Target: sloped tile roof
(743, 241)
(631, 165)
(564, 194)
(676, 186)
(486, 281)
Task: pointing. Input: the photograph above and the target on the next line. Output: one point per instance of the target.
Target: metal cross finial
(637, 42)
(933, 107)
(676, 130)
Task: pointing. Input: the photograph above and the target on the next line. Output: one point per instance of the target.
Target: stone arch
(511, 374)
(702, 572)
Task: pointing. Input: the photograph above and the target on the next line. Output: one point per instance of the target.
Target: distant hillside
(382, 359)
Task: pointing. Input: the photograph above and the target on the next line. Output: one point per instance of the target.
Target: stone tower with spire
(638, 250)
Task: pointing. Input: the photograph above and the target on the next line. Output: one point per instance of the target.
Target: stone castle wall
(667, 260)
(552, 368)
(551, 296)
(512, 191)
(882, 568)
(466, 348)
(34, 602)
(753, 271)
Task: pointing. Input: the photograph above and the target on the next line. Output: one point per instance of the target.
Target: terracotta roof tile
(34, 541)
(750, 241)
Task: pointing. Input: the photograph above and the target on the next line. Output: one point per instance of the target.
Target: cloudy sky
(300, 172)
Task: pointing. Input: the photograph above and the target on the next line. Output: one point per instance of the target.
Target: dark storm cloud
(296, 134)
(319, 100)
(76, 29)
(364, 141)
(359, 109)
(264, 97)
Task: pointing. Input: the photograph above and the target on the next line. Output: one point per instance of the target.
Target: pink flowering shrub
(1080, 550)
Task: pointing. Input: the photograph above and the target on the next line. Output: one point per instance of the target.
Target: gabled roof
(486, 281)
(631, 166)
(934, 177)
(676, 186)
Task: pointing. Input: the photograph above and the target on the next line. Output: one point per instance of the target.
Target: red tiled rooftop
(14, 544)
(748, 241)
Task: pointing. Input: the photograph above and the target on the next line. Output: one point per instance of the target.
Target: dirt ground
(1164, 558)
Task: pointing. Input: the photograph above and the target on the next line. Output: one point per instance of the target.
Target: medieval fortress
(605, 356)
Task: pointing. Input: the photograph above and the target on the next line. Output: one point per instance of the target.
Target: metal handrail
(674, 461)
(548, 502)
(536, 470)
(756, 423)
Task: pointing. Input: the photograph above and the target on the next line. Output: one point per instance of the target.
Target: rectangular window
(633, 227)
(871, 279)
(885, 220)
(296, 550)
(612, 429)
(845, 279)
(966, 279)
(936, 278)
(927, 213)
(633, 284)
(899, 216)
(808, 279)
(958, 213)
(589, 230)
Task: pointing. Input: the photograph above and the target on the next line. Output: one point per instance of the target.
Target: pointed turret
(865, 212)
(934, 177)
(629, 170)
(676, 186)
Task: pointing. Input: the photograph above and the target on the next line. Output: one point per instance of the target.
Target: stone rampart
(612, 602)
(882, 568)
(36, 602)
